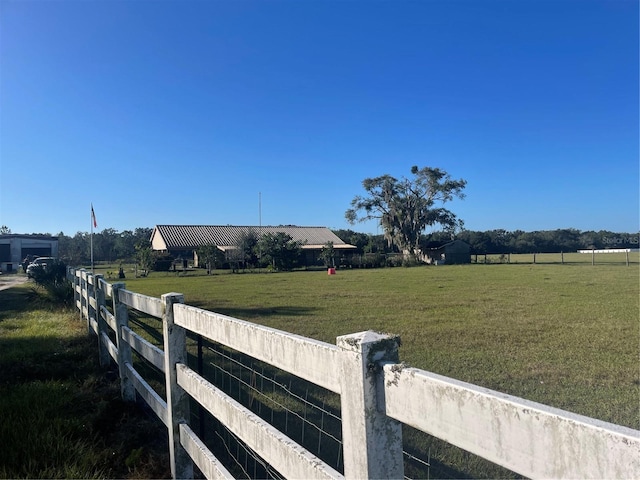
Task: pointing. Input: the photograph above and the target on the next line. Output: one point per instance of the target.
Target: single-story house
(184, 240)
(455, 252)
(14, 248)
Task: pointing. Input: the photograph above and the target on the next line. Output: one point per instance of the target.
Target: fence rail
(533, 439)
(377, 394)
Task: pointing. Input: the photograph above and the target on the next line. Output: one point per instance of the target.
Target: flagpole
(92, 217)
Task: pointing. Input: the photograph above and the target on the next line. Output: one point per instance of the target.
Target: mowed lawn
(563, 335)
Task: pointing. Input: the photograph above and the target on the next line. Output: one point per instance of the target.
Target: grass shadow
(152, 326)
(244, 313)
(16, 300)
(26, 359)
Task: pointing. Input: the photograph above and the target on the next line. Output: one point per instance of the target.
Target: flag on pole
(93, 217)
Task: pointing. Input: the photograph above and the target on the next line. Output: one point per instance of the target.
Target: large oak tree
(405, 207)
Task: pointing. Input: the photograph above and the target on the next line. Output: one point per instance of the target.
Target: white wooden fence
(377, 394)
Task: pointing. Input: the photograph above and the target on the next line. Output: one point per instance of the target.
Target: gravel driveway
(8, 281)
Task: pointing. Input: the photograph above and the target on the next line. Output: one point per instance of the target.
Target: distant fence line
(610, 250)
(377, 394)
(612, 256)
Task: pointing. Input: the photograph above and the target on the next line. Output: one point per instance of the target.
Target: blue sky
(190, 112)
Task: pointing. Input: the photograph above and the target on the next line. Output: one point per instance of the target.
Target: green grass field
(563, 335)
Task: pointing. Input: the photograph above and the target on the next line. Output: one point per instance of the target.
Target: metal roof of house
(33, 236)
(439, 245)
(187, 237)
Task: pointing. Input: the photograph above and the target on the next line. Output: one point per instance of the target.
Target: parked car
(38, 262)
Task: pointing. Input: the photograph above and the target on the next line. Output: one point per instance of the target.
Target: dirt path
(8, 281)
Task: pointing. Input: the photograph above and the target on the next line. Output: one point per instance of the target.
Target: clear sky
(241, 112)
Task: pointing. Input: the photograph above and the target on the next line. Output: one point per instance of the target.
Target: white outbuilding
(15, 248)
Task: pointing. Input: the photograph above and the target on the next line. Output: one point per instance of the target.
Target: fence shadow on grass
(20, 299)
(148, 324)
(253, 312)
(29, 359)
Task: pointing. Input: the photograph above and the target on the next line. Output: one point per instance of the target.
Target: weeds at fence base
(62, 416)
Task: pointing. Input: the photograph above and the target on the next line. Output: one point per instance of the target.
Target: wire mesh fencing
(307, 414)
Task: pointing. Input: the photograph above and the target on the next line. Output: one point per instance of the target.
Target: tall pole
(93, 224)
(92, 217)
(260, 210)
(259, 227)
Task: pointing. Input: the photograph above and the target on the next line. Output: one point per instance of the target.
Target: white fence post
(372, 441)
(175, 351)
(127, 390)
(77, 287)
(98, 288)
(84, 301)
(91, 295)
(76, 284)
